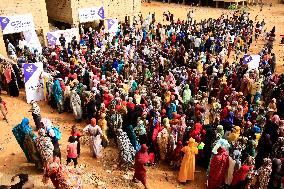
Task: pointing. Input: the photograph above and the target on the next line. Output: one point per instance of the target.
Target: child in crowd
(72, 154)
(75, 133)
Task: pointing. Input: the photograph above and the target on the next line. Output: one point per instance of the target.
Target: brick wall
(60, 10)
(68, 10)
(17, 7)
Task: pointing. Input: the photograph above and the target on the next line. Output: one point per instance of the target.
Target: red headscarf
(140, 159)
(240, 175)
(142, 155)
(93, 121)
(197, 132)
(177, 151)
(218, 168)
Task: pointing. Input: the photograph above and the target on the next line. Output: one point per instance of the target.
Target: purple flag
(4, 22)
(51, 39)
(101, 12)
(247, 59)
(29, 70)
(110, 23)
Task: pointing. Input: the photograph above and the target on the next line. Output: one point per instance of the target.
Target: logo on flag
(51, 39)
(247, 59)
(29, 70)
(101, 12)
(110, 23)
(4, 22)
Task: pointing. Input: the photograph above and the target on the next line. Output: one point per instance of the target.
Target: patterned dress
(264, 173)
(45, 148)
(115, 122)
(75, 104)
(63, 177)
(163, 139)
(126, 150)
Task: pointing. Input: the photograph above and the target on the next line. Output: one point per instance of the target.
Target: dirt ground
(105, 173)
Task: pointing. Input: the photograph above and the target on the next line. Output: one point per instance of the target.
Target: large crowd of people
(179, 93)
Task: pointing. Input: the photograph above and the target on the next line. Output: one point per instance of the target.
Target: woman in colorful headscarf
(132, 137)
(126, 150)
(162, 140)
(141, 133)
(44, 146)
(228, 121)
(264, 149)
(249, 151)
(234, 135)
(209, 139)
(271, 128)
(141, 158)
(14, 73)
(54, 136)
(171, 109)
(20, 132)
(95, 133)
(62, 177)
(218, 168)
(26, 139)
(220, 131)
(264, 173)
(75, 104)
(187, 167)
(186, 97)
(177, 155)
(198, 132)
(240, 177)
(103, 125)
(278, 148)
(276, 175)
(58, 95)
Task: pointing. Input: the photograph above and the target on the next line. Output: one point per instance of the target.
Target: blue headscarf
(57, 91)
(132, 137)
(115, 64)
(134, 86)
(20, 132)
(120, 67)
(144, 34)
(256, 128)
(171, 110)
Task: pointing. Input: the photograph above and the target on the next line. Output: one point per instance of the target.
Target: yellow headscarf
(233, 136)
(192, 143)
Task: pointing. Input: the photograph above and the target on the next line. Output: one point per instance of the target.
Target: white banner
(32, 41)
(91, 14)
(53, 37)
(33, 81)
(16, 24)
(252, 61)
(112, 25)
